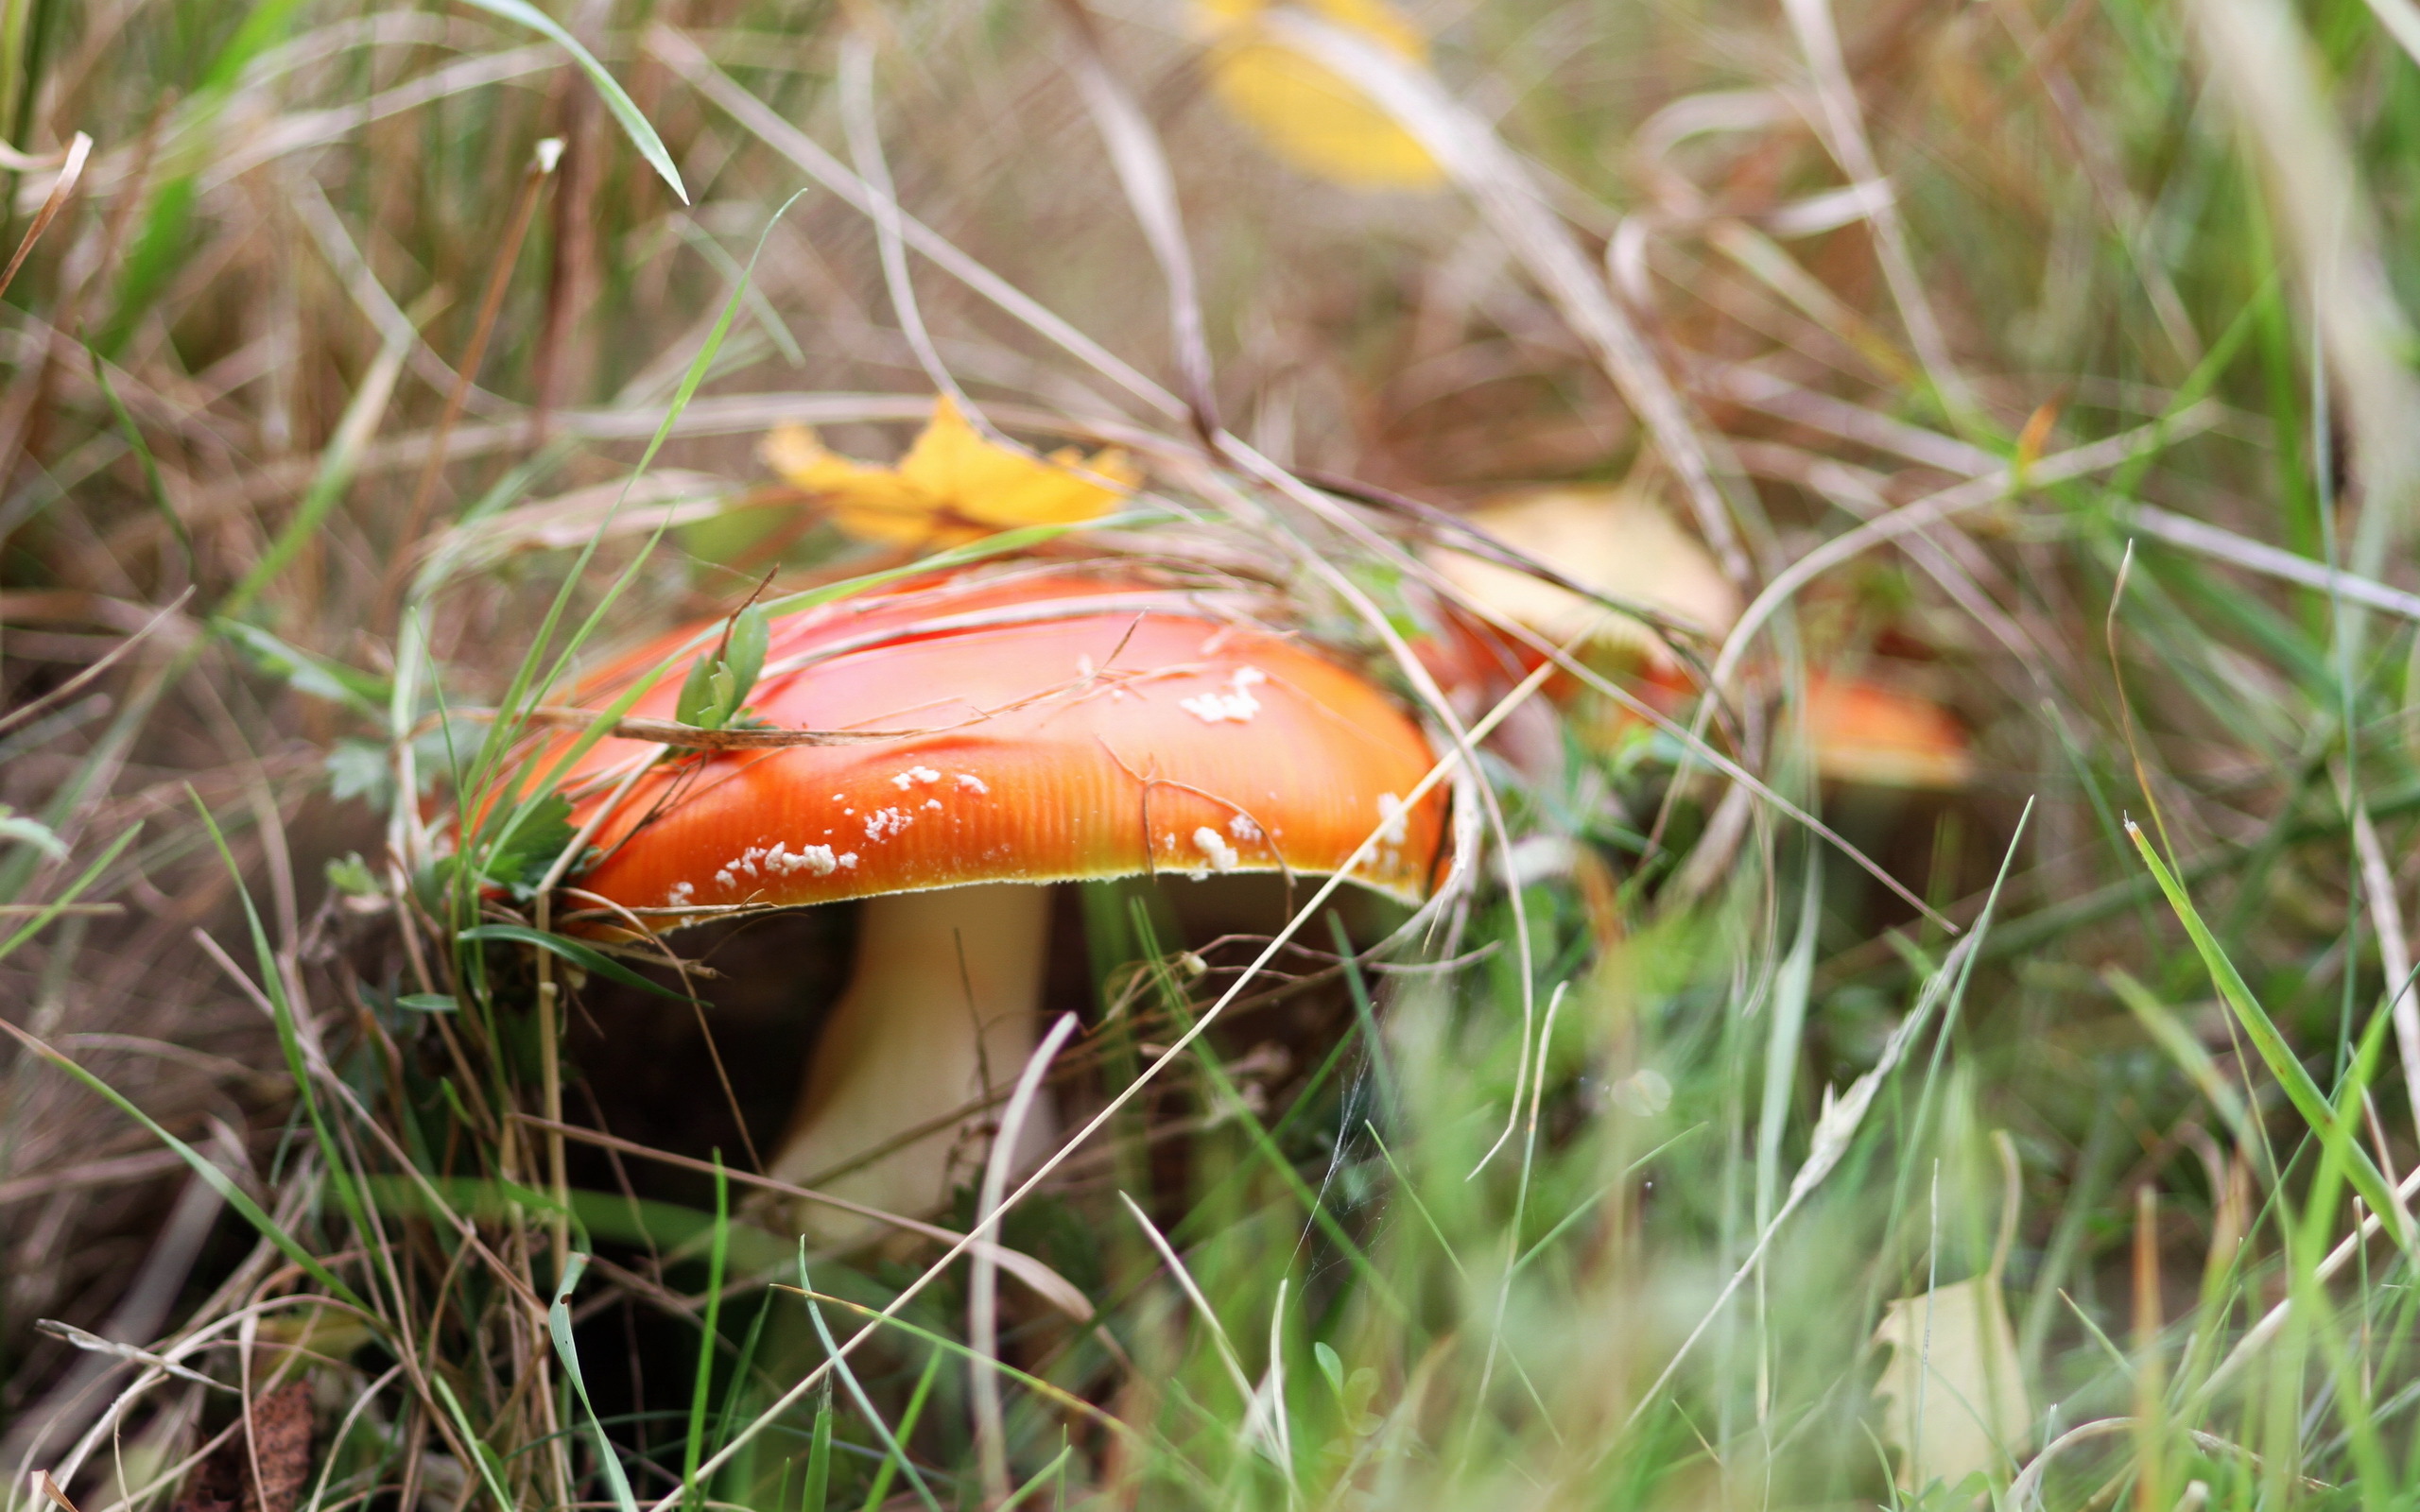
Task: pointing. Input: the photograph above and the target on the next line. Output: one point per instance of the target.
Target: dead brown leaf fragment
(281, 1449)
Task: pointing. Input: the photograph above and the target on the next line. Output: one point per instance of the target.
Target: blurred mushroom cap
(1865, 732)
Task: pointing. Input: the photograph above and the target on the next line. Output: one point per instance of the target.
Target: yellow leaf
(953, 486)
(1953, 1399)
(1306, 115)
(1616, 540)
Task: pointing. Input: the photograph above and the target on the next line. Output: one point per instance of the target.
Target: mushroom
(987, 734)
(1870, 734)
(1621, 542)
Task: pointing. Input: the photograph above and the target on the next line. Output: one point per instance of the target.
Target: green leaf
(1330, 1366)
(588, 958)
(696, 703)
(350, 875)
(751, 634)
(307, 673)
(634, 125)
(357, 769)
(429, 1003)
(520, 861)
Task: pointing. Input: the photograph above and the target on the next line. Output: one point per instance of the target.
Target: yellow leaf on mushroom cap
(1305, 114)
(953, 486)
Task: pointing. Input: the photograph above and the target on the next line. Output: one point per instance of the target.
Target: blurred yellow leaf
(953, 486)
(1952, 1396)
(1953, 1401)
(1615, 539)
(1306, 115)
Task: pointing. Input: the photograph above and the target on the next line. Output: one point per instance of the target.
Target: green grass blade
(898, 1459)
(60, 905)
(625, 112)
(709, 1335)
(2301, 1089)
(587, 957)
(141, 449)
(1040, 1478)
(559, 1328)
(337, 467)
(289, 1040)
(479, 1450)
(817, 1489)
(857, 1390)
(218, 1181)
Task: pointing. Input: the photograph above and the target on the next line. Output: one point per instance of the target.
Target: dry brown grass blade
(68, 689)
(466, 372)
(1934, 507)
(2394, 947)
(1143, 171)
(309, 203)
(984, 1282)
(1841, 124)
(864, 130)
(1505, 189)
(686, 59)
(142, 1167)
(49, 1487)
(61, 189)
(2224, 545)
(2265, 71)
(1745, 384)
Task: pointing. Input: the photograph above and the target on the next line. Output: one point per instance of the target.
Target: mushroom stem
(941, 1010)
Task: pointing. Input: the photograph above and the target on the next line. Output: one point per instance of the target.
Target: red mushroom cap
(1051, 725)
(1867, 731)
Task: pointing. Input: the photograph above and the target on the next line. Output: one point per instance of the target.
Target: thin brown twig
(71, 169)
(542, 166)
